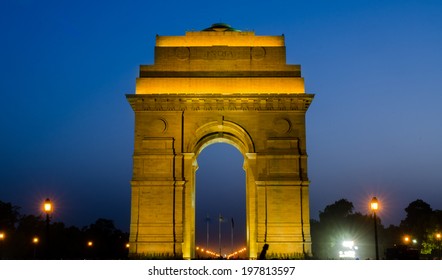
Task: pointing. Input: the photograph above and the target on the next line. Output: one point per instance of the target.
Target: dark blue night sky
(374, 127)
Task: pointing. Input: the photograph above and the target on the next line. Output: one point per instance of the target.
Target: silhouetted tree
(436, 220)
(422, 224)
(418, 219)
(392, 236)
(29, 226)
(65, 243)
(108, 241)
(338, 223)
(9, 216)
(337, 211)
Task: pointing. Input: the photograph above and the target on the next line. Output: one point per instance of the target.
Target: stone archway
(231, 133)
(219, 84)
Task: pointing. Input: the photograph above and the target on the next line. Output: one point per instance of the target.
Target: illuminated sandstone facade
(219, 85)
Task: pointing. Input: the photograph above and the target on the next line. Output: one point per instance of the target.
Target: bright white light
(349, 250)
(350, 254)
(348, 244)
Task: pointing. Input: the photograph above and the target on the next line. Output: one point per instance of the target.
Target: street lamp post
(47, 207)
(438, 237)
(90, 249)
(35, 241)
(374, 205)
(2, 238)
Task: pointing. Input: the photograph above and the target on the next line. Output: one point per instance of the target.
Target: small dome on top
(221, 27)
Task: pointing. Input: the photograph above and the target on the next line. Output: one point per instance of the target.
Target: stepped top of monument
(221, 27)
(220, 34)
(220, 60)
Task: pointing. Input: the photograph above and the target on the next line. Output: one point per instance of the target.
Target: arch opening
(220, 223)
(229, 133)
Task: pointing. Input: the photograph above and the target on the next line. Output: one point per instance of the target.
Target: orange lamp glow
(47, 206)
(374, 204)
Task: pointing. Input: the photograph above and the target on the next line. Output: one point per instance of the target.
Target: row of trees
(26, 237)
(337, 223)
(415, 237)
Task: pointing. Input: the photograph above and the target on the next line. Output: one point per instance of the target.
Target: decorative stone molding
(219, 102)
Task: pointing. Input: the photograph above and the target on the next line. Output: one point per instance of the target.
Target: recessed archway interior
(220, 191)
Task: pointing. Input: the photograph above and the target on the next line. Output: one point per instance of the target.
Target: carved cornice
(220, 102)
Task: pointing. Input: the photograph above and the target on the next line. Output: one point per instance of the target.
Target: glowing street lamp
(47, 205)
(89, 251)
(2, 238)
(35, 241)
(48, 209)
(439, 237)
(374, 205)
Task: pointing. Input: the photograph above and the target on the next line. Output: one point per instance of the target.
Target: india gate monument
(219, 85)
